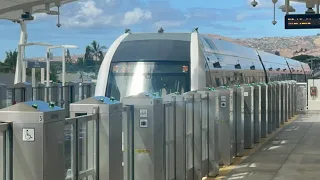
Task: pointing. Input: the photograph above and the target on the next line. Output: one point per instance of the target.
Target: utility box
(226, 126)
(248, 117)
(110, 133)
(149, 149)
(38, 140)
(213, 129)
(238, 111)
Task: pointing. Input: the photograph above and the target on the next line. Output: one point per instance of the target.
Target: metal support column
(264, 110)
(248, 117)
(257, 113)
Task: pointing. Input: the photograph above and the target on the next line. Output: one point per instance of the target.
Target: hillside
(287, 46)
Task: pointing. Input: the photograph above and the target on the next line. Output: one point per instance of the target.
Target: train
(164, 63)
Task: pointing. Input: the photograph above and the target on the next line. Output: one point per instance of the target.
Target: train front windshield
(131, 78)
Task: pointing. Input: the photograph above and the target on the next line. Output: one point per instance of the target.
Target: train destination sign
(302, 21)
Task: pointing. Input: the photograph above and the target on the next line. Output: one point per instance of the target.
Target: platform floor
(291, 153)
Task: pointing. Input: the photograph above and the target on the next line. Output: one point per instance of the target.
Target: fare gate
(180, 134)
(282, 100)
(264, 110)
(22, 92)
(37, 141)
(278, 104)
(226, 125)
(285, 99)
(301, 102)
(248, 117)
(3, 95)
(257, 113)
(238, 111)
(149, 129)
(213, 129)
(109, 131)
(270, 107)
(198, 163)
(294, 99)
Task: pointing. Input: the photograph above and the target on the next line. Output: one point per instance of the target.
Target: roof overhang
(12, 10)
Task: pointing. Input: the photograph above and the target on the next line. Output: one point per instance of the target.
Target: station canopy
(12, 9)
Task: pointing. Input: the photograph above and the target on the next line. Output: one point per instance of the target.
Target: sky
(104, 20)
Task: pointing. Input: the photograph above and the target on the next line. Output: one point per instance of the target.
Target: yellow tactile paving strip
(224, 171)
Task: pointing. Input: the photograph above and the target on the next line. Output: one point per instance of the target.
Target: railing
(81, 147)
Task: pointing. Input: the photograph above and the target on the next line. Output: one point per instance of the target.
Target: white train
(163, 63)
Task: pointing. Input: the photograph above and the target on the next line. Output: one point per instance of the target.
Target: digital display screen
(302, 21)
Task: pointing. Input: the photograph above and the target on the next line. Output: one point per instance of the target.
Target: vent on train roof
(253, 67)
(284, 69)
(270, 69)
(237, 66)
(216, 65)
(278, 69)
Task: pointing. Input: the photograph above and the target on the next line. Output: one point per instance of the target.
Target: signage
(302, 21)
(36, 64)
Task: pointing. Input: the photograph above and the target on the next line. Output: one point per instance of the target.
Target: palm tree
(96, 51)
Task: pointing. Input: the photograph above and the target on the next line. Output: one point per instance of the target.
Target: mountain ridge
(286, 46)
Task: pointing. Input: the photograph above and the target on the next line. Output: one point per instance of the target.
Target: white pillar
(48, 72)
(33, 77)
(42, 75)
(63, 66)
(23, 40)
(318, 1)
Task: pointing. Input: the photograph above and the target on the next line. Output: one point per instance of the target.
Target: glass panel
(162, 78)
(68, 150)
(87, 150)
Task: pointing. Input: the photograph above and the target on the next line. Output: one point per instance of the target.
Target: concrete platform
(292, 153)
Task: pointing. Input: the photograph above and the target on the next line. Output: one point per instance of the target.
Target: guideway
(199, 134)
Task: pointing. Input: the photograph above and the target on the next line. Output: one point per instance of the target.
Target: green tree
(9, 64)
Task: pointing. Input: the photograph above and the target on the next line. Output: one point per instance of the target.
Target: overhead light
(290, 9)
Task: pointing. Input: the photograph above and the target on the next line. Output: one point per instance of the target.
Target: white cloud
(135, 16)
(168, 24)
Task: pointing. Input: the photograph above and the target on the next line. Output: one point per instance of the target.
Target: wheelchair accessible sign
(28, 135)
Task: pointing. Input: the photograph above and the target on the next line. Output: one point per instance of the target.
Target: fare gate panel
(197, 136)
(278, 104)
(205, 134)
(270, 107)
(286, 87)
(22, 92)
(257, 113)
(238, 111)
(110, 133)
(213, 130)
(38, 140)
(226, 125)
(294, 95)
(274, 107)
(264, 110)
(170, 153)
(289, 99)
(3, 95)
(282, 94)
(301, 102)
(189, 99)
(149, 129)
(248, 117)
(180, 134)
